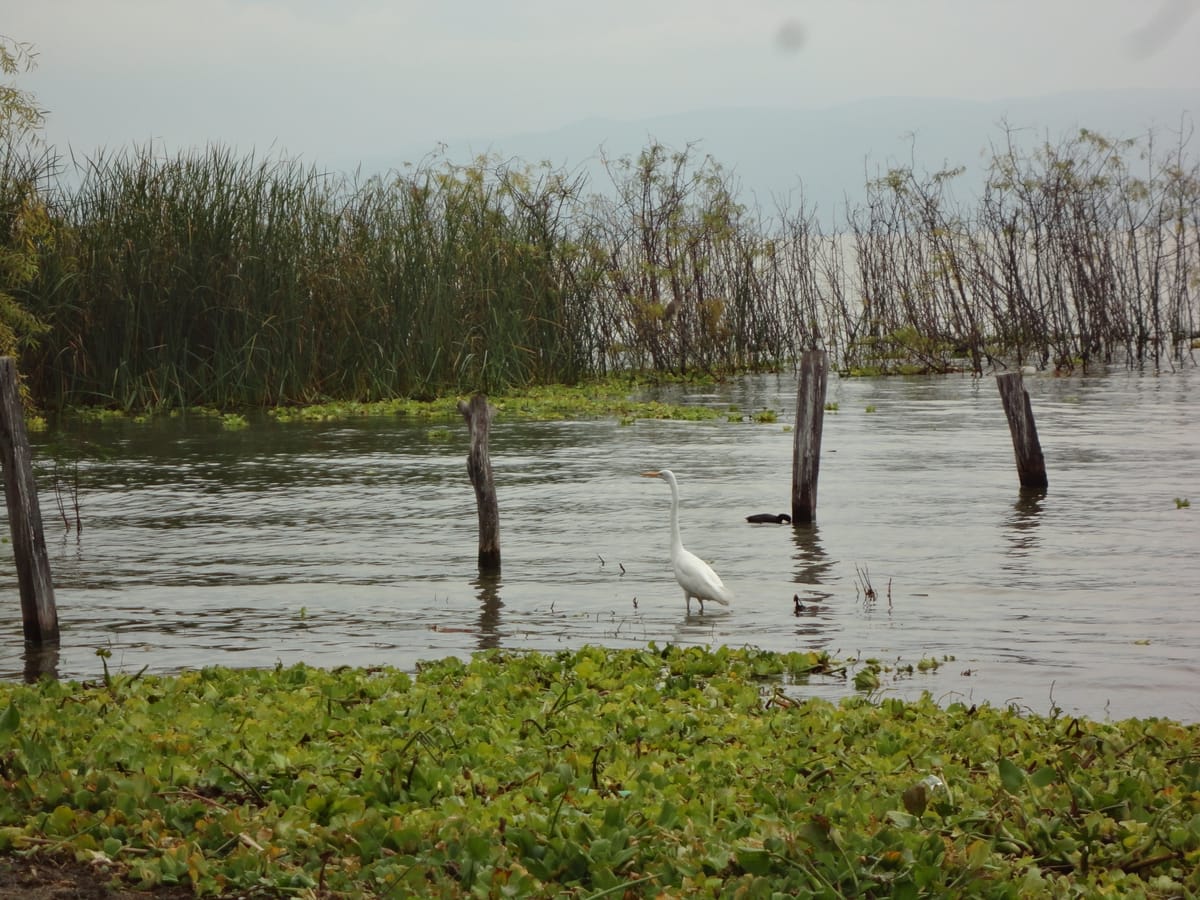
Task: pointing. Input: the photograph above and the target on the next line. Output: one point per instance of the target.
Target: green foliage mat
(664, 771)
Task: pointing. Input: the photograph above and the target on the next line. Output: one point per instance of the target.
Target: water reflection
(1023, 522)
(813, 564)
(487, 587)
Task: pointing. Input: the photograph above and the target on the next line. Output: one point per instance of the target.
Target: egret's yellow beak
(650, 474)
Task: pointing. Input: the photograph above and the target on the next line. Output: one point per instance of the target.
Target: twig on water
(864, 581)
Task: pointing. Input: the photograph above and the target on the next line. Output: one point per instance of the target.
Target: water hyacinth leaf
(668, 815)
(1042, 777)
(902, 819)
(1011, 776)
(38, 758)
(866, 680)
(61, 821)
(10, 720)
(754, 860)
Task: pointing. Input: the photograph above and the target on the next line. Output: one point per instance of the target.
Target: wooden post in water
(38, 612)
(1031, 465)
(806, 445)
(478, 414)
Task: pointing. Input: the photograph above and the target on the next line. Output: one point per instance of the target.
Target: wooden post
(38, 612)
(806, 446)
(478, 414)
(41, 663)
(1031, 465)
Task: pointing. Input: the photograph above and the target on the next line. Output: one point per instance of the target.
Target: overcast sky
(340, 79)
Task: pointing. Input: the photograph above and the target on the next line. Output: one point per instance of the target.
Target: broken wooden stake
(478, 414)
(1031, 465)
(806, 445)
(38, 611)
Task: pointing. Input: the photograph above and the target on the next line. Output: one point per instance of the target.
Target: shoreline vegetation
(592, 773)
(145, 282)
(624, 398)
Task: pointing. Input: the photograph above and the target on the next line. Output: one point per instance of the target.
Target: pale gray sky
(348, 79)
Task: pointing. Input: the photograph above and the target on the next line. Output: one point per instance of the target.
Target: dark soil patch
(62, 877)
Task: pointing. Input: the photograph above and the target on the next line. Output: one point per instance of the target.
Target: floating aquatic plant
(661, 771)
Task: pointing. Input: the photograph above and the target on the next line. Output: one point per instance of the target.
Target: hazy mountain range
(830, 153)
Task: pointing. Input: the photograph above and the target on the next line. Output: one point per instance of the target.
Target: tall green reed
(209, 279)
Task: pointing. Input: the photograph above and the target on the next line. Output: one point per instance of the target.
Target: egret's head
(665, 474)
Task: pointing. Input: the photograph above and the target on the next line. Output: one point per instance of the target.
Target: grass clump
(662, 771)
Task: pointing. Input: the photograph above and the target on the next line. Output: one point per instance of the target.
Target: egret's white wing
(698, 578)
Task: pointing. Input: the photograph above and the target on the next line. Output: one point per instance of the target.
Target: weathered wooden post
(41, 663)
(478, 414)
(806, 445)
(1031, 465)
(38, 612)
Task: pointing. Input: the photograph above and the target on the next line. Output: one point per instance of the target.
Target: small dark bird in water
(764, 518)
(797, 607)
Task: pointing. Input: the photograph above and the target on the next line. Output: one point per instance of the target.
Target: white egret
(694, 575)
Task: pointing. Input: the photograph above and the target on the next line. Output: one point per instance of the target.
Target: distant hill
(829, 153)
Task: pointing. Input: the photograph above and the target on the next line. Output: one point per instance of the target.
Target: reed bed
(206, 278)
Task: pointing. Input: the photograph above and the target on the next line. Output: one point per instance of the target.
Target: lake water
(355, 543)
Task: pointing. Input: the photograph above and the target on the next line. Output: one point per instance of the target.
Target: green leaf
(1011, 776)
(866, 680)
(668, 816)
(10, 721)
(753, 861)
(1042, 777)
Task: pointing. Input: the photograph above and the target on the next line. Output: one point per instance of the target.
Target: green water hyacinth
(613, 397)
(655, 772)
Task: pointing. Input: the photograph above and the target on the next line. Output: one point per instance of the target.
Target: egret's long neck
(676, 541)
